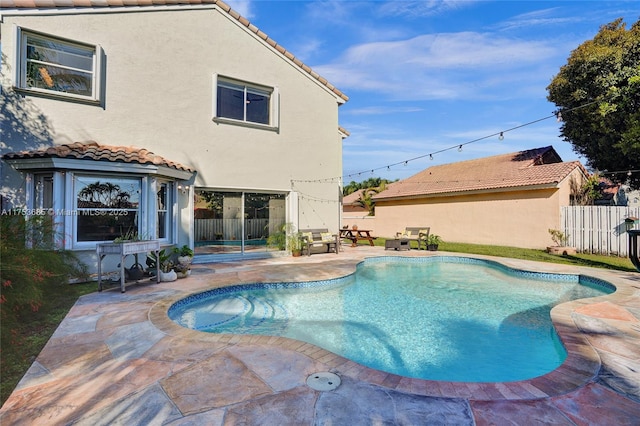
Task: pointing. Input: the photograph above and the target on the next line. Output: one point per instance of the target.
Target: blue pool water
(438, 318)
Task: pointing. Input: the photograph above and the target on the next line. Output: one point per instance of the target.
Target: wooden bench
(415, 233)
(320, 237)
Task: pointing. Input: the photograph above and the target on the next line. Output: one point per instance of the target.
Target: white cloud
(415, 9)
(442, 66)
(538, 18)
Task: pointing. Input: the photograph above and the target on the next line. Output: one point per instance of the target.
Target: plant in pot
(165, 259)
(286, 237)
(560, 240)
(185, 257)
(294, 241)
(433, 241)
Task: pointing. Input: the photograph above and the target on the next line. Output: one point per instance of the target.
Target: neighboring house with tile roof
(510, 199)
(351, 203)
(122, 116)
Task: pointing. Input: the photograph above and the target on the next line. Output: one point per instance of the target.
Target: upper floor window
(245, 102)
(53, 66)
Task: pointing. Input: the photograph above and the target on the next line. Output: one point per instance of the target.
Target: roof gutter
(550, 185)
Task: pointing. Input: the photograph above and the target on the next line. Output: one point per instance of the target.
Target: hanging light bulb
(501, 137)
(430, 156)
(460, 148)
(405, 163)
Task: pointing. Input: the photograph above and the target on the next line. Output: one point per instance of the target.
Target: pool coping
(580, 367)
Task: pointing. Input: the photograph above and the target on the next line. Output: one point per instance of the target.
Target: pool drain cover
(324, 381)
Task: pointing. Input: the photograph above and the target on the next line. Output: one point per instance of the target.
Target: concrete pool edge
(580, 367)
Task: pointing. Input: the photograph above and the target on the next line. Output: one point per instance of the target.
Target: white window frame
(274, 102)
(21, 84)
(169, 210)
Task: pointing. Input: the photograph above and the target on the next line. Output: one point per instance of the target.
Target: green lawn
(21, 346)
(592, 260)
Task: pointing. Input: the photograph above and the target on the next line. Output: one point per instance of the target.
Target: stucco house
(177, 120)
(510, 199)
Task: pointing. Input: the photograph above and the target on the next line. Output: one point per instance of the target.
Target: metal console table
(123, 250)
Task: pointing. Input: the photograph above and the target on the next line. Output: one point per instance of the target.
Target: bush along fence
(599, 229)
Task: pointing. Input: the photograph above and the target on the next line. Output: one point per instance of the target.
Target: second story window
(245, 103)
(61, 68)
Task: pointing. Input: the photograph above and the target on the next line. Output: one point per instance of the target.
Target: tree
(598, 96)
(375, 182)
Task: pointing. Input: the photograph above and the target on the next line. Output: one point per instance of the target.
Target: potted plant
(433, 241)
(286, 238)
(294, 241)
(185, 254)
(185, 257)
(166, 264)
(560, 239)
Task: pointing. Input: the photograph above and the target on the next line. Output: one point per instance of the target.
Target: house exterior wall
(159, 72)
(519, 218)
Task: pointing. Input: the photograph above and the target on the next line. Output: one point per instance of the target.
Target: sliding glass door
(227, 222)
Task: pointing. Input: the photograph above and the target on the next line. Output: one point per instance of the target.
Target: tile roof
(540, 166)
(352, 198)
(97, 4)
(92, 150)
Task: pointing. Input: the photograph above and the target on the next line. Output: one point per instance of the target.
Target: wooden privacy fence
(599, 229)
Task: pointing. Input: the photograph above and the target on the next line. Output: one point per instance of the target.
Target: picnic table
(356, 235)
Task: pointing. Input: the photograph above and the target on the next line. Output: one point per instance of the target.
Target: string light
(556, 114)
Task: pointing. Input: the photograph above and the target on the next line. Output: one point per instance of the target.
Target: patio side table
(397, 244)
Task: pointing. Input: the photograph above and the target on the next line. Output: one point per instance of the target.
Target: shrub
(30, 266)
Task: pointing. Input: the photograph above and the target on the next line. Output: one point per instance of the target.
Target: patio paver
(118, 359)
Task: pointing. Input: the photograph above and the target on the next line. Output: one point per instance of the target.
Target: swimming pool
(437, 318)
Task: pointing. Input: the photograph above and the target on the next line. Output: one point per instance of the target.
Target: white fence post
(599, 229)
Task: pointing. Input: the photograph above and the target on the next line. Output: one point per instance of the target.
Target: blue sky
(425, 76)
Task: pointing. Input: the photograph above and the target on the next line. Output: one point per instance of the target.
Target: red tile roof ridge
(92, 150)
(535, 167)
(96, 4)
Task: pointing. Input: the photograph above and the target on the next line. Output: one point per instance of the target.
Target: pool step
(239, 314)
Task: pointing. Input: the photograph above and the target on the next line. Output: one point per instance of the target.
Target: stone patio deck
(117, 359)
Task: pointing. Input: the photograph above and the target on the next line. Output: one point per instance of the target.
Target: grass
(22, 344)
(581, 259)
(37, 327)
